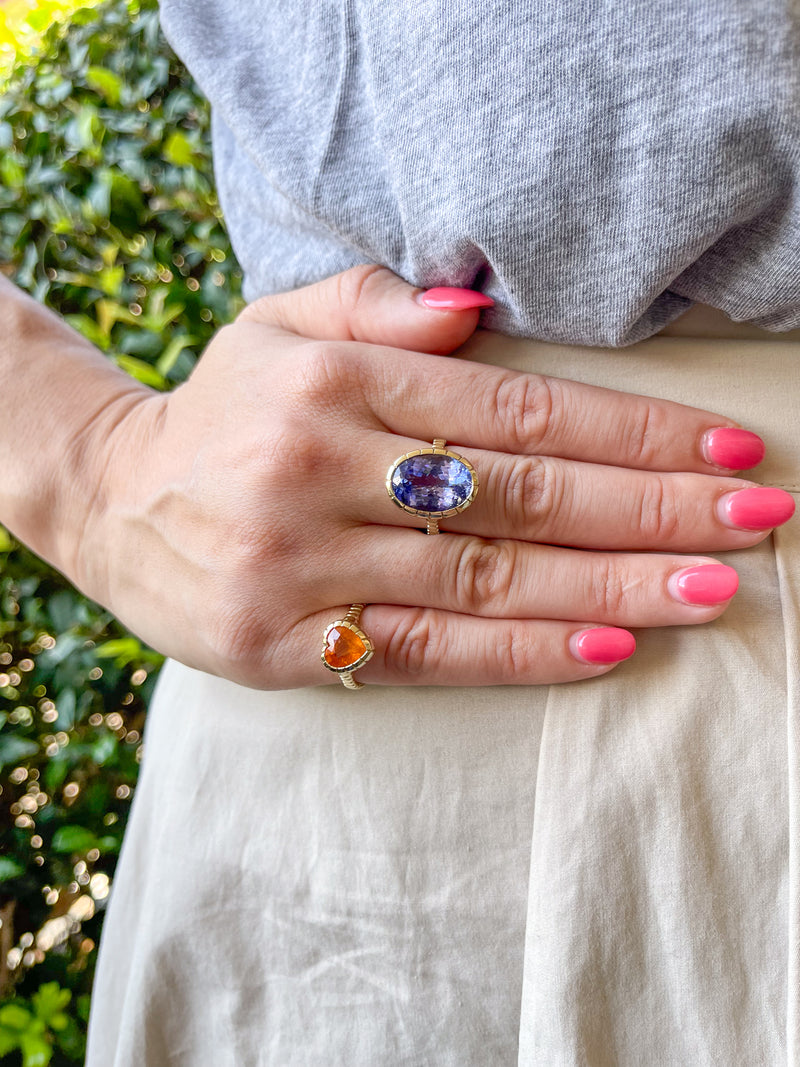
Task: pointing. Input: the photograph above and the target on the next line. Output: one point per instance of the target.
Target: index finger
(483, 406)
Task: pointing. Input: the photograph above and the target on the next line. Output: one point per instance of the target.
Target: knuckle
(257, 310)
(643, 433)
(526, 406)
(355, 287)
(510, 655)
(484, 575)
(325, 372)
(286, 459)
(531, 489)
(237, 638)
(514, 654)
(416, 641)
(608, 587)
(255, 545)
(659, 522)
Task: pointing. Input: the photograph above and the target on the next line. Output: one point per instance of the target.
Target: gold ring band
(346, 648)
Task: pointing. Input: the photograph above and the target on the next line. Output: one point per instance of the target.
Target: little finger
(420, 646)
(511, 579)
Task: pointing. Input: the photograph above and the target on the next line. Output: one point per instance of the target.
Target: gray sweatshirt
(594, 165)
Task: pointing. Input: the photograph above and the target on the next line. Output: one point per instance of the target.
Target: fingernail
(447, 299)
(734, 449)
(758, 508)
(602, 644)
(710, 583)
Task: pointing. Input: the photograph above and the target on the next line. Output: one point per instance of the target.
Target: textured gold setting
(438, 448)
(345, 672)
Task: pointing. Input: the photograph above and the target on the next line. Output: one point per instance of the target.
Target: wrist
(64, 400)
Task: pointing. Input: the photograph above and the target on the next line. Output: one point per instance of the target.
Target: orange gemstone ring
(346, 647)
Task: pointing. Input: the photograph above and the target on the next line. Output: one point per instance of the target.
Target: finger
(583, 505)
(475, 405)
(509, 579)
(587, 505)
(370, 304)
(417, 646)
(413, 394)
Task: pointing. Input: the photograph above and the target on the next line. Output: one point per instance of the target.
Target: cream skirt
(601, 873)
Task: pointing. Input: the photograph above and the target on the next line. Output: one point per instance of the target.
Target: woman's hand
(240, 515)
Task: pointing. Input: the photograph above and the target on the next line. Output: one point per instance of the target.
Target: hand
(241, 514)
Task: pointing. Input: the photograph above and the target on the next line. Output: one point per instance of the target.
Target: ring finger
(589, 505)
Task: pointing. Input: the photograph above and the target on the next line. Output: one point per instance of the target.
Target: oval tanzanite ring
(345, 647)
(433, 483)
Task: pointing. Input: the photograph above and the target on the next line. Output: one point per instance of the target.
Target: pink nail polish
(448, 299)
(733, 449)
(710, 583)
(603, 644)
(756, 508)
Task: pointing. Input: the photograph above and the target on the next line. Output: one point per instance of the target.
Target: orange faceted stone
(343, 647)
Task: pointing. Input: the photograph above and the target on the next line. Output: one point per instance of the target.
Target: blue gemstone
(431, 483)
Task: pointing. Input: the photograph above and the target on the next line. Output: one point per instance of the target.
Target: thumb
(371, 304)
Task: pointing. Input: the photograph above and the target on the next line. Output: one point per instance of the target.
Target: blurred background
(108, 215)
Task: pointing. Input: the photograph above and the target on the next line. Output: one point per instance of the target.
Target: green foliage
(35, 1027)
(107, 208)
(22, 23)
(107, 214)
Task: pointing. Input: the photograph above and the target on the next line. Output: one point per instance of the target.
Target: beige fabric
(592, 874)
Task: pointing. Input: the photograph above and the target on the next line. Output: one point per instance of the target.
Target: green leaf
(62, 610)
(9, 1040)
(49, 1002)
(109, 312)
(106, 83)
(178, 150)
(141, 371)
(109, 844)
(71, 1040)
(83, 1004)
(66, 702)
(90, 330)
(11, 172)
(36, 1050)
(15, 1017)
(85, 130)
(103, 748)
(158, 320)
(110, 280)
(9, 868)
(173, 350)
(127, 204)
(120, 649)
(56, 771)
(6, 541)
(66, 644)
(40, 18)
(109, 253)
(13, 749)
(73, 839)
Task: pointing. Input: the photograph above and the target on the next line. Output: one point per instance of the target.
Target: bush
(23, 22)
(107, 213)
